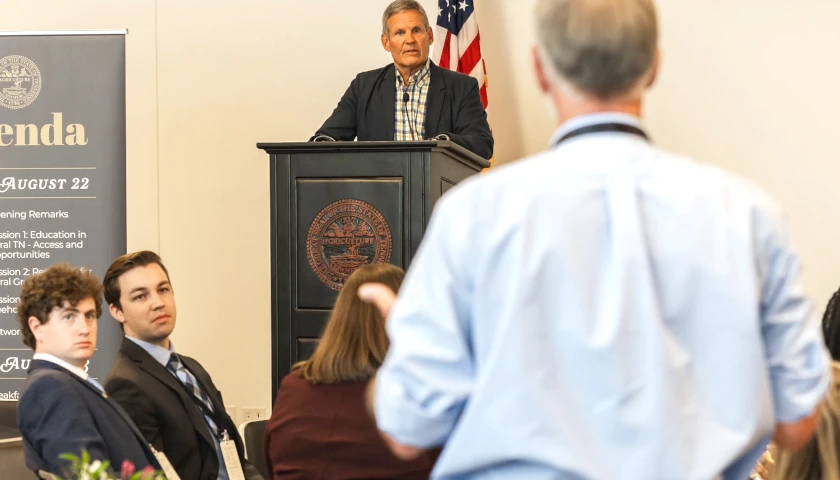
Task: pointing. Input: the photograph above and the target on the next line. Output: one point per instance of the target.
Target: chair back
(12, 460)
(8, 413)
(253, 434)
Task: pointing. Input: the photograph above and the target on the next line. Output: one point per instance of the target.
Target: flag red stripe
(444, 56)
(471, 56)
(483, 93)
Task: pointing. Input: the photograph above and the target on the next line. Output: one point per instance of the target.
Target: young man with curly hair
(62, 409)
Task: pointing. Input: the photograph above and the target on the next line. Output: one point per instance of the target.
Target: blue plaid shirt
(410, 116)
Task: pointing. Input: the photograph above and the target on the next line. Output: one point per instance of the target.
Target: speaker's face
(408, 40)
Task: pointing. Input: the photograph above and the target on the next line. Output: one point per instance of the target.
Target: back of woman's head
(831, 326)
(354, 343)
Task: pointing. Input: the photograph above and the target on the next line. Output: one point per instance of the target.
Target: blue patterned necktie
(186, 377)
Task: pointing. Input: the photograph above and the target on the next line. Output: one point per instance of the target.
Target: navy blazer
(60, 413)
(453, 106)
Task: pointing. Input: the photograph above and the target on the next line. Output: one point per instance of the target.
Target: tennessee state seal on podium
(20, 81)
(344, 236)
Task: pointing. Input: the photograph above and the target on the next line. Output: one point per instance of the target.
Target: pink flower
(148, 472)
(127, 469)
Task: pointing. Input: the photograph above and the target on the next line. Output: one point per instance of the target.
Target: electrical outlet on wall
(250, 414)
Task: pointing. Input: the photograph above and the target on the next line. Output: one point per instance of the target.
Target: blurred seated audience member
(820, 458)
(319, 427)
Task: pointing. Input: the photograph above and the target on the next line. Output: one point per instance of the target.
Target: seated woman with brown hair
(319, 428)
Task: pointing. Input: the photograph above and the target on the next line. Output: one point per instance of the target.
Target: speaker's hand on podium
(322, 138)
(379, 295)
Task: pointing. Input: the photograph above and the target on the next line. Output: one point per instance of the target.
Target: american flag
(458, 43)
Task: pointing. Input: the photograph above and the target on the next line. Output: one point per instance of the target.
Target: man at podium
(411, 99)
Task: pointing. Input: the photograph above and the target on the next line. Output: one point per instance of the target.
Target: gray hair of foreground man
(602, 48)
(398, 6)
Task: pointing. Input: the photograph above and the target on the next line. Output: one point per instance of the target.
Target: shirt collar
(160, 354)
(61, 363)
(593, 119)
(416, 77)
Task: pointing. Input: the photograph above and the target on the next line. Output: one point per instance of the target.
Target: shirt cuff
(404, 420)
(796, 396)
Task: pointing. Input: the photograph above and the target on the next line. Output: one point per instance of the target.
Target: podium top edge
(294, 147)
(34, 33)
(410, 145)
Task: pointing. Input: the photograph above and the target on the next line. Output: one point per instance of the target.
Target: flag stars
(456, 14)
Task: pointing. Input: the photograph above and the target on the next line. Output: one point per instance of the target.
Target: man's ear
(539, 70)
(35, 326)
(116, 313)
(386, 44)
(655, 69)
(431, 35)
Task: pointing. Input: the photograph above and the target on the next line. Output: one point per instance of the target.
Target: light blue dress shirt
(603, 310)
(162, 356)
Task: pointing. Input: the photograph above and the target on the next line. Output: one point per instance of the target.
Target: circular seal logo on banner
(20, 81)
(344, 236)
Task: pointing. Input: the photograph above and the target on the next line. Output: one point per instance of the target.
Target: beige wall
(760, 97)
(746, 85)
(230, 76)
(749, 85)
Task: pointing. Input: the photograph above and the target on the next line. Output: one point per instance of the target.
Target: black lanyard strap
(603, 127)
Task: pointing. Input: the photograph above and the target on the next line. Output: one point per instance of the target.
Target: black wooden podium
(336, 206)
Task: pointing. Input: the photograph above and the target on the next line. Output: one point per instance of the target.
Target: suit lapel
(151, 366)
(218, 406)
(435, 100)
(385, 95)
(122, 413)
(190, 365)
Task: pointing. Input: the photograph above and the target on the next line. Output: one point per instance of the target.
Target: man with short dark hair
(170, 396)
(62, 409)
(411, 98)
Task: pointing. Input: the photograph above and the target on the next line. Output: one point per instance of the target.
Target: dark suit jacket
(168, 416)
(453, 107)
(61, 413)
(323, 432)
